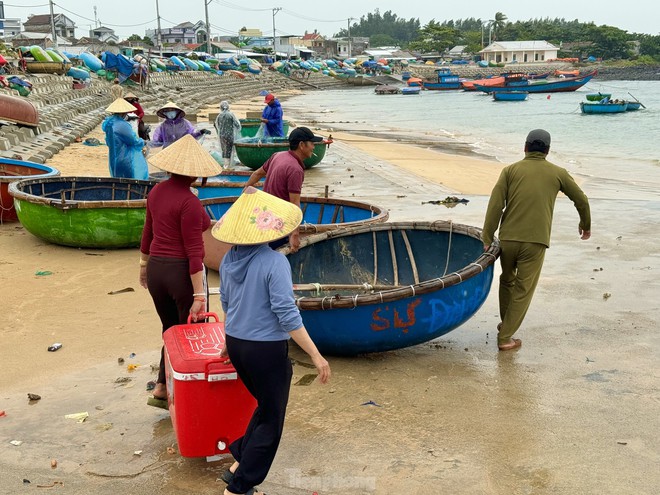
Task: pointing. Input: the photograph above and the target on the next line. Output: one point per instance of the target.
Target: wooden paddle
(642, 104)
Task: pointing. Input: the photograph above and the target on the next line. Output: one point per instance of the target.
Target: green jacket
(523, 201)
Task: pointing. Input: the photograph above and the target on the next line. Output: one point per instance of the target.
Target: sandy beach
(574, 411)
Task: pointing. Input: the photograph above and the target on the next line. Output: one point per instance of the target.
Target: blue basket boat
(386, 286)
(319, 215)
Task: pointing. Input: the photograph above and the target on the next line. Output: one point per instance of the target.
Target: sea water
(614, 155)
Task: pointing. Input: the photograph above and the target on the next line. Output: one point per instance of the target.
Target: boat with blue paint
(14, 171)
(447, 80)
(510, 96)
(390, 285)
(600, 107)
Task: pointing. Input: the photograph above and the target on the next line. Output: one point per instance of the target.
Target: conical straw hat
(170, 105)
(186, 157)
(130, 95)
(120, 106)
(257, 217)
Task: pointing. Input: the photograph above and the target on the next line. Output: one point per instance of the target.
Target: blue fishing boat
(633, 105)
(613, 106)
(387, 286)
(319, 215)
(510, 96)
(523, 84)
(410, 90)
(598, 96)
(446, 80)
(13, 171)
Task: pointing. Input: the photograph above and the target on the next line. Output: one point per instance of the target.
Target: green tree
(382, 40)
(497, 24)
(401, 30)
(134, 37)
(609, 42)
(435, 37)
(649, 46)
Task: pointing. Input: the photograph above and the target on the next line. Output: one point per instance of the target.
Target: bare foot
(160, 391)
(234, 467)
(510, 345)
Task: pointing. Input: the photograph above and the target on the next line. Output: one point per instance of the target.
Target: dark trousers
(168, 281)
(265, 369)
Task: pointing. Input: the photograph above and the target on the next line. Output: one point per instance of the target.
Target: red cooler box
(209, 405)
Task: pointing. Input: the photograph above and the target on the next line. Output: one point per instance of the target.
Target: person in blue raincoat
(272, 117)
(125, 155)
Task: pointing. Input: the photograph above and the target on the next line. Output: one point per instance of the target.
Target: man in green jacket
(521, 205)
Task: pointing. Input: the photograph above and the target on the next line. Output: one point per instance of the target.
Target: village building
(64, 26)
(519, 51)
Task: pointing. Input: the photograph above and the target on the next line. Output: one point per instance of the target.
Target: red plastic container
(209, 405)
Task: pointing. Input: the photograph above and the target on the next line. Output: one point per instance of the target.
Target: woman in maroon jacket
(172, 248)
(143, 132)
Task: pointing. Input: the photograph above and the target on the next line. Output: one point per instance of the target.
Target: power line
(240, 7)
(27, 6)
(293, 14)
(107, 24)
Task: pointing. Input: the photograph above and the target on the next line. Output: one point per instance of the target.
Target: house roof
(186, 24)
(507, 46)
(104, 29)
(311, 36)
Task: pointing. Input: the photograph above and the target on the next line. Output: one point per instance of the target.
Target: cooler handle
(203, 315)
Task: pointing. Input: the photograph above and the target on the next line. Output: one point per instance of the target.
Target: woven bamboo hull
(15, 170)
(227, 184)
(103, 212)
(255, 154)
(18, 110)
(418, 297)
(250, 127)
(47, 67)
(319, 215)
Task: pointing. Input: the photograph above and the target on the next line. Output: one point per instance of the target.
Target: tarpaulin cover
(120, 63)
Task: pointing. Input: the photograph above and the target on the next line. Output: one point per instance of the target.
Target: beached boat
(510, 96)
(36, 67)
(386, 89)
(598, 107)
(319, 215)
(18, 110)
(558, 86)
(226, 184)
(386, 286)
(411, 90)
(446, 81)
(253, 152)
(414, 81)
(250, 127)
(598, 96)
(83, 212)
(13, 171)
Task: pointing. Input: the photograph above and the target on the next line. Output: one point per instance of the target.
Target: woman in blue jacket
(125, 155)
(272, 117)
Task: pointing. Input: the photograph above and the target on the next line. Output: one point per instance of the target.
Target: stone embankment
(67, 114)
(637, 73)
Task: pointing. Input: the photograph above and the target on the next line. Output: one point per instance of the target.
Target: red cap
(269, 97)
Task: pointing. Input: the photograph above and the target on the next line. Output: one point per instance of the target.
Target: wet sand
(574, 411)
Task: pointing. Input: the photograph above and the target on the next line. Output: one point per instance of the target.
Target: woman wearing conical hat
(133, 99)
(260, 316)
(124, 146)
(172, 247)
(174, 127)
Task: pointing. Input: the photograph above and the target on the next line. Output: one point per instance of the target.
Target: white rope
(451, 231)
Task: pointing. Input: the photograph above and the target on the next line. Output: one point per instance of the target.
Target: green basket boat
(253, 153)
(83, 212)
(250, 127)
(598, 96)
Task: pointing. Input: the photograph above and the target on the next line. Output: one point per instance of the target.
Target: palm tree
(498, 23)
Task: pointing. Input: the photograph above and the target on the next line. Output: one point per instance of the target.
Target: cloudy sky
(328, 17)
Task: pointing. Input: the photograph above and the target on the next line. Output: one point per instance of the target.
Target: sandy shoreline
(453, 415)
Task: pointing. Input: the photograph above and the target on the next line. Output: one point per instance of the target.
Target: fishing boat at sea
(510, 96)
(597, 96)
(540, 86)
(83, 212)
(386, 89)
(319, 215)
(489, 81)
(18, 111)
(410, 90)
(13, 171)
(446, 80)
(253, 152)
(387, 286)
(599, 107)
(633, 105)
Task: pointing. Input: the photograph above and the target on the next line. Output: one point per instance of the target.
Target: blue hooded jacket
(124, 149)
(273, 113)
(256, 293)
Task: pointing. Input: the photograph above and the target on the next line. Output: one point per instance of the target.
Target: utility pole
(208, 27)
(350, 51)
(275, 11)
(52, 24)
(158, 35)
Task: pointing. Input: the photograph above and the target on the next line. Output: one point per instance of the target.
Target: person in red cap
(272, 117)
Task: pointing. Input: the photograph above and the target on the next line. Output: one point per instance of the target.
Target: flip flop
(153, 401)
(512, 344)
(227, 476)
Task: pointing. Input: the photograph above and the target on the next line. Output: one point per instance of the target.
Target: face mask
(171, 114)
